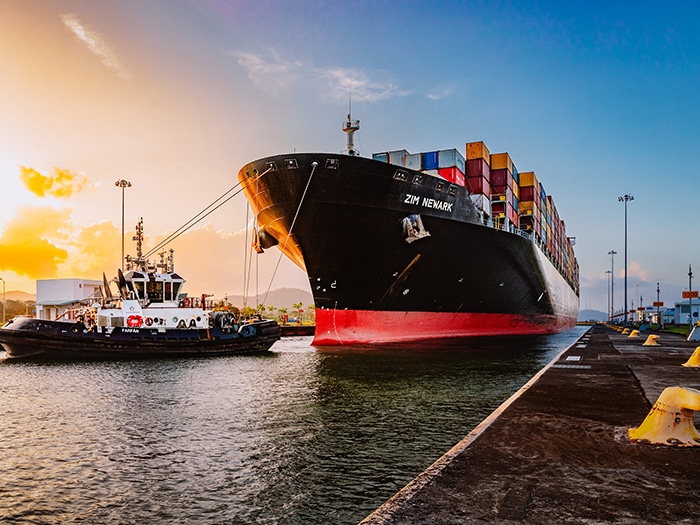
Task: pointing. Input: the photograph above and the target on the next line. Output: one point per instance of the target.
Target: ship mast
(350, 127)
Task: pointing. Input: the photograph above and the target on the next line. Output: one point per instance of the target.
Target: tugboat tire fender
(134, 321)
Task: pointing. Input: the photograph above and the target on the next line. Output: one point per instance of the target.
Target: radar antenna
(350, 127)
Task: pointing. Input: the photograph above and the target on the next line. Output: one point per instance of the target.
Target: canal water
(299, 436)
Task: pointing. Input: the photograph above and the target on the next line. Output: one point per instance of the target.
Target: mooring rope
(199, 217)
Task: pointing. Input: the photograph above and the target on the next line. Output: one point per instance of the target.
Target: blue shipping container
(430, 160)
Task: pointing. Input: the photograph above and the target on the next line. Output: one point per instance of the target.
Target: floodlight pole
(123, 184)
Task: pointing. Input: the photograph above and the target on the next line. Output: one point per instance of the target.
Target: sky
(600, 99)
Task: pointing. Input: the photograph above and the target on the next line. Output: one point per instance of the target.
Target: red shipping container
(478, 168)
(500, 190)
(512, 214)
(453, 174)
(478, 185)
(498, 207)
(528, 193)
(501, 178)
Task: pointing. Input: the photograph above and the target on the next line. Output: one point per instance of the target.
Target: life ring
(134, 321)
(148, 321)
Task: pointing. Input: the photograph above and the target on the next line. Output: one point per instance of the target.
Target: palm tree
(297, 307)
(283, 312)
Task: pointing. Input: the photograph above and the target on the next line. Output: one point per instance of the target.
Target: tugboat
(150, 318)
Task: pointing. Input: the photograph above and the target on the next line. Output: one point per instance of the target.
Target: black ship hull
(36, 339)
(394, 255)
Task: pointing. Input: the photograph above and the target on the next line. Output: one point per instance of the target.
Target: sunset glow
(176, 96)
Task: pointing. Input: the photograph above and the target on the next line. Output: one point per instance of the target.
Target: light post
(658, 305)
(122, 184)
(608, 274)
(625, 198)
(612, 254)
(690, 297)
(3, 300)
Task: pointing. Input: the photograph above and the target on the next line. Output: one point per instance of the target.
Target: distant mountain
(16, 295)
(592, 315)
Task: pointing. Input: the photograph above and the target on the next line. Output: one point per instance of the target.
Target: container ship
(404, 247)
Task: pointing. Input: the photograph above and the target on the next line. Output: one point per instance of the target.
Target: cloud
(44, 243)
(62, 184)
(440, 92)
(634, 269)
(94, 249)
(274, 74)
(28, 244)
(97, 45)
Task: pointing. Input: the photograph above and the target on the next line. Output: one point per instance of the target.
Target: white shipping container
(398, 157)
(413, 161)
(482, 202)
(449, 158)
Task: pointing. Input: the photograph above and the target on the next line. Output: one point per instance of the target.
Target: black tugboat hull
(37, 339)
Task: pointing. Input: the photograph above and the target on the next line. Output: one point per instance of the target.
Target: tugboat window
(138, 289)
(155, 291)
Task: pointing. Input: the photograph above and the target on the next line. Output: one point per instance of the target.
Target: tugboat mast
(350, 127)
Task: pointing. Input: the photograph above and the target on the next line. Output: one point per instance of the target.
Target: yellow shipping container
(528, 208)
(500, 161)
(478, 150)
(528, 178)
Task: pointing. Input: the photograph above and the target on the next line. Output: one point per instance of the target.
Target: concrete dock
(558, 451)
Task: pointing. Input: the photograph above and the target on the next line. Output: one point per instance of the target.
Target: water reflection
(301, 436)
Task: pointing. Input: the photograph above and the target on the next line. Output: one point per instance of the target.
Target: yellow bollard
(670, 420)
(634, 333)
(651, 341)
(626, 331)
(694, 359)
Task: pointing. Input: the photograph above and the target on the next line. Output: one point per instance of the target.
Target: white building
(55, 297)
(685, 310)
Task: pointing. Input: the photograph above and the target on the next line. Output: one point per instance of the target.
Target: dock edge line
(385, 512)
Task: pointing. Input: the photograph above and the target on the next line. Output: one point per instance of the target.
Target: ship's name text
(427, 202)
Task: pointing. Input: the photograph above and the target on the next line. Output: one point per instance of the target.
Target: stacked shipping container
(511, 199)
(447, 164)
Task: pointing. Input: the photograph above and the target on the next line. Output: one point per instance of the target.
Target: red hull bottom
(350, 327)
